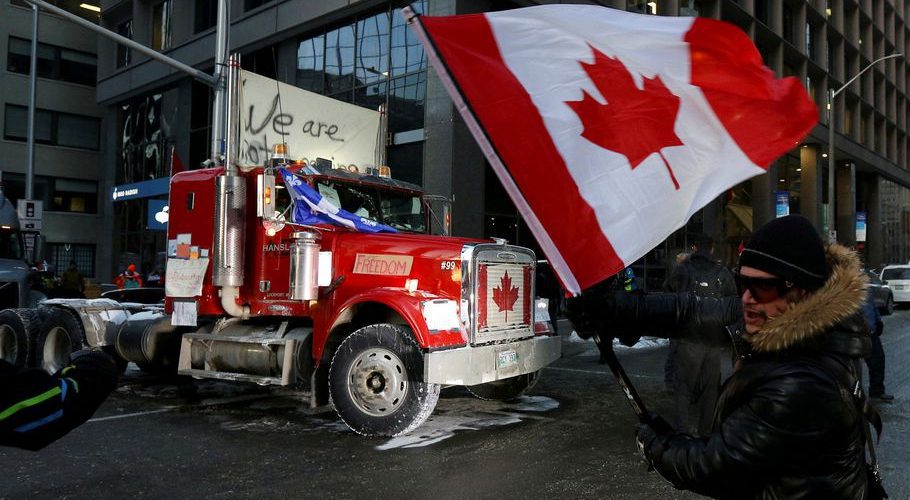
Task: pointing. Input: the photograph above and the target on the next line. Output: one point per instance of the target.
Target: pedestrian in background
(72, 281)
(129, 278)
(788, 423)
(693, 364)
(875, 361)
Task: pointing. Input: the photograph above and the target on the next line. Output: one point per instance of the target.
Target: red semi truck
(375, 323)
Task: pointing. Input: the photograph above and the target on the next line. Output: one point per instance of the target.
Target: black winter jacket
(786, 424)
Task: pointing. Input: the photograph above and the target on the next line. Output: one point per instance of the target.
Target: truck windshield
(399, 209)
(10, 245)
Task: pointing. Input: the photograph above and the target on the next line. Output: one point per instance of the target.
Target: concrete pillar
(845, 203)
(453, 163)
(810, 195)
(109, 246)
(874, 236)
(763, 188)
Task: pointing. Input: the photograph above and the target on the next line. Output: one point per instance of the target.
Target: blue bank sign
(142, 189)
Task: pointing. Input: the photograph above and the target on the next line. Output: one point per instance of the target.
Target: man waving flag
(610, 129)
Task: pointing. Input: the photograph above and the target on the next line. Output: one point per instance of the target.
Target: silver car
(884, 297)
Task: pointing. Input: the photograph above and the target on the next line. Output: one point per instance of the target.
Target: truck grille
(501, 285)
(9, 294)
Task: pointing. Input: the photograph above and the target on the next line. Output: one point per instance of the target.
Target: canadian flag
(610, 129)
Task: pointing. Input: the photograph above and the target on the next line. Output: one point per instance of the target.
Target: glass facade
(371, 61)
(145, 137)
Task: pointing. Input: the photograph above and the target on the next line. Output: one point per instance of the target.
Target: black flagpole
(635, 401)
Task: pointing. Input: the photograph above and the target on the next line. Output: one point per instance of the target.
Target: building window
(124, 56)
(53, 128)
(161, 26)
(253, 4)
(788, 24)
(88, 10)
(810, 41)
(56, 63)
(693, 8)
(59, 255)
(761, 11)
(58, 194)
(145, 145)
(206, 15)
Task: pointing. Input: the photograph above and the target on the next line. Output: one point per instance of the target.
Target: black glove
(652, 431)
(96, 374)
(586, 313)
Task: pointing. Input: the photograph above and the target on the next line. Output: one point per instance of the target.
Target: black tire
(18, 329)
(889, 306)
(506, 389)
(60, 335)
(376, 382)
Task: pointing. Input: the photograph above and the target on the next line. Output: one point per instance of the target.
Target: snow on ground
(643, 343)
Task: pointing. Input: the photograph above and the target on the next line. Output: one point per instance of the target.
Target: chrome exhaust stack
(230, 207)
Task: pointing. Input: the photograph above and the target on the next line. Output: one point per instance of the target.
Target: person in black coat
(37, 408)
(789, 423)
(694, 358)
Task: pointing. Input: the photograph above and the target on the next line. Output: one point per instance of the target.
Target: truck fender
(405, 304)
(101, 318)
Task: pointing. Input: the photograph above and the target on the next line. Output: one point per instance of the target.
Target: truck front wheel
(505, 389)
(375, 382)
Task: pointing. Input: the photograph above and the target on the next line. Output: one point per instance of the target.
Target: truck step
(288, 371)
(236, 377)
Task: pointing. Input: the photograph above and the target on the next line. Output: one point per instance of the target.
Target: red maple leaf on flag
(634, 122)
(505, 295)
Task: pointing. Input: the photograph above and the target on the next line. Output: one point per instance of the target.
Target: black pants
(876, 363)
(696, 385)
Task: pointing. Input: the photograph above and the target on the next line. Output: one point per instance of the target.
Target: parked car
(897, 278)
(881, 293)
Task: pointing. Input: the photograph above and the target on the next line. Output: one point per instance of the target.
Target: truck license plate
(507, 358)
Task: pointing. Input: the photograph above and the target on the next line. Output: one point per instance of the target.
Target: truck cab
(376, 322)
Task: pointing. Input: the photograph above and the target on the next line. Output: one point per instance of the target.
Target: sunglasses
(763, 290)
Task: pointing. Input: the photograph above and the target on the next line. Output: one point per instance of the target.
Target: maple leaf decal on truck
(505, 295)
(634, 122)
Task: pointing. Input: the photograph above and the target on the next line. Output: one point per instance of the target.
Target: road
(572, 437)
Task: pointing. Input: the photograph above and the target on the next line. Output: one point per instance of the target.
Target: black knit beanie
(790, 248)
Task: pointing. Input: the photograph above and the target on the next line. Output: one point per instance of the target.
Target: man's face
(764, 296)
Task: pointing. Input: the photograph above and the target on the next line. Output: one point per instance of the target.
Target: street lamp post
(832, 233)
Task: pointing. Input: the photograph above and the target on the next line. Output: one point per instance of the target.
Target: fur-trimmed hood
(838, 299)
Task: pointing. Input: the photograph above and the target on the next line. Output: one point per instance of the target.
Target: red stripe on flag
(517, 132)
(766, 117)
